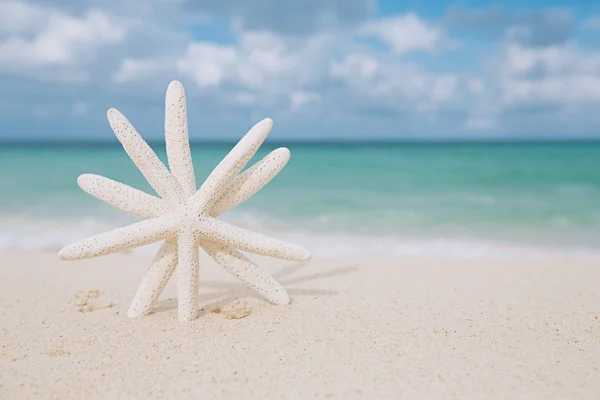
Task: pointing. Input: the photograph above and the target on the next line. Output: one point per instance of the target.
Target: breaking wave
(25, 233)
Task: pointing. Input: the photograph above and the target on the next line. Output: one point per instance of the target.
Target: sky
(321, 69)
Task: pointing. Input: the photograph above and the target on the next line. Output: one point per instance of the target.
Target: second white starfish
(184, 217)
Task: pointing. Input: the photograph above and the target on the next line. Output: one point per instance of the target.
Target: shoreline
(332, 247)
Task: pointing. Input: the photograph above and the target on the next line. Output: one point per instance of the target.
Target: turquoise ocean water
(459, 199)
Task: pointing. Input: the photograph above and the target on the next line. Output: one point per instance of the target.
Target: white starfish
(184, 217)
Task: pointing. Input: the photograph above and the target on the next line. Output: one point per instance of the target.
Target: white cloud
(47, 38)
(405, 33)
(444, 88)
(398, 85)
(134, 70)
(340, 72)
(245, 98)
(17, 17)
(263, 56)
(260, 62)
(483, 117)
(358, 64)
(553, 81)
(300, 99)
(268, 69)
(481, 123)
(476, 86)
(560, 73)
(207, 63)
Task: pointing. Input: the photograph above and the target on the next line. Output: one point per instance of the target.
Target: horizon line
(311, 141)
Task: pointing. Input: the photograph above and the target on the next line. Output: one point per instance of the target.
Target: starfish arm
(187, 281)
(177, 139)
(252, 180)
(155, 280)
(230, 166)
(128, 237)
(155, 172)
(122, 196)
(245, 270)
(222, 232)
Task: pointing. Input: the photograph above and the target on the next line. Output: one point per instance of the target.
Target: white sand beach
(379, 328)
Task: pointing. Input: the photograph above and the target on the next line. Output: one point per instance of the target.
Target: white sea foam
(29, 234)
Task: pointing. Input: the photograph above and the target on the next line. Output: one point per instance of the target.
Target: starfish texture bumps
(185, 218)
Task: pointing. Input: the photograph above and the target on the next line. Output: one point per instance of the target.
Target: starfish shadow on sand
(227, 292)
